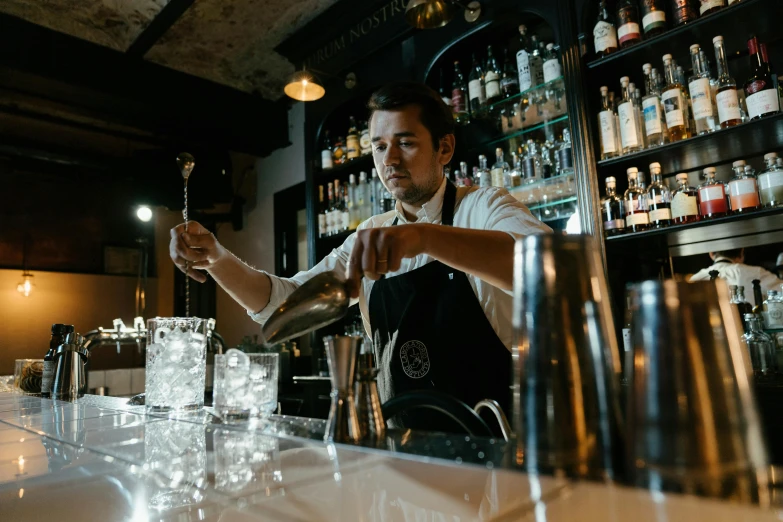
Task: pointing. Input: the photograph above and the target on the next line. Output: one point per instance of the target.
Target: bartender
(730, 266)
(433, 277)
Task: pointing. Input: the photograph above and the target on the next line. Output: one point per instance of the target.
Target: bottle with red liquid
(712, 196)
(744, 190)
(629, 30)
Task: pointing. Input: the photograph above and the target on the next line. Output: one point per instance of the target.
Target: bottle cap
(647, 68)
(709, 170)
(718, 39)
(374, 173)
(771, 155)
(352, 178)
(681, 177)
(632, 174)
(522, 29)
(750, 317)
(604, 90)
(624, 80)
(482, 157)
(654, 166)
(632, 169)
(362, 176)
(498, 151)
(550, 46)
(463, 164)
(667, 58)
(610, 180)
(695, 48)
(738, 163)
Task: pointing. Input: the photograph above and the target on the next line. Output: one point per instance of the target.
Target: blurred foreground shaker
(69, 376)
(692, 421)
(566, 412)
(342, 352)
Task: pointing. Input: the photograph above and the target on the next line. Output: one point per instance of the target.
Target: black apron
(439, 338)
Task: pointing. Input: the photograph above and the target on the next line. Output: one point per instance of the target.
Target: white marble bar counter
(99, 459)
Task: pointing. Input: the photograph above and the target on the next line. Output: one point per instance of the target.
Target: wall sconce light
(26, 286)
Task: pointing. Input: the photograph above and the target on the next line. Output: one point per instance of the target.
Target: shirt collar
(429, 212)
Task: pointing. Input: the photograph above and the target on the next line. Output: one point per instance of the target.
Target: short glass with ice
(176, 363)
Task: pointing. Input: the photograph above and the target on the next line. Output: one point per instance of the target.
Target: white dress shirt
(740, 274)
(476, 208)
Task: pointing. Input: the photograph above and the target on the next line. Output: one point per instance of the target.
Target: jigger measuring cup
(692, 421)
(566, 364)
(342, 352)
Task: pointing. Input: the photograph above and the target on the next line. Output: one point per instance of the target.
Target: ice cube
(236, 359)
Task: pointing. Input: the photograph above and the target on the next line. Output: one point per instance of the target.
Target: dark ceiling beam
(142, 94)
(158, 27)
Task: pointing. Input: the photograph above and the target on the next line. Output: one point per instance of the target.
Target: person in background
(779, 267)
(730, 267)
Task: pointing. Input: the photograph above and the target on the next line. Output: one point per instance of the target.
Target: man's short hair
(436, 116)
(731, 254)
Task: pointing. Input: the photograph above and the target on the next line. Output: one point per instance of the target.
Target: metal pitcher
(69, 376)
(566, 364)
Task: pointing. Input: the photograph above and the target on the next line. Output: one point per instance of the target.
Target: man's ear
(446, 149)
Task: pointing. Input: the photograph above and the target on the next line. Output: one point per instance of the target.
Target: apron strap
(449, 202)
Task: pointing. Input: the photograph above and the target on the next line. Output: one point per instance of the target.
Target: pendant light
(302, 86)
(431, 14)
(25, 286)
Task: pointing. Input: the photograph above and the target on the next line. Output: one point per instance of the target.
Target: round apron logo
(415, 360)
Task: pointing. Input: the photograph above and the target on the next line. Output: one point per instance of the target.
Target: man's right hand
(197, 246)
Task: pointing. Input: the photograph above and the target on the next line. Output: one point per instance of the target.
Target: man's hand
(378, 251)
(197, 246)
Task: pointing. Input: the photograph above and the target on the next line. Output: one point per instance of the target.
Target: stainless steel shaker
(368, 404)
(69, 376)
(566, 413)
(692, 422)
(343, 423)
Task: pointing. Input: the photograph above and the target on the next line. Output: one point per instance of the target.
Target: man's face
(407, 163)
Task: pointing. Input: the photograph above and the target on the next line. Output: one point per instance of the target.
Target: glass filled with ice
(176, 363)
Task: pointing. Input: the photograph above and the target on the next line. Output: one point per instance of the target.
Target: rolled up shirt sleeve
(502, 212)
(282, 287)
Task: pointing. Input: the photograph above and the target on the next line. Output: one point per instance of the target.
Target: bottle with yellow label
(352, 147)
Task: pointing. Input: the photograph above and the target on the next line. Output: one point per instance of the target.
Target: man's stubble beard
(417, 194)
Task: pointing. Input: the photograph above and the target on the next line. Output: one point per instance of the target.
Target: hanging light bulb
(304, 87)
(26, 286)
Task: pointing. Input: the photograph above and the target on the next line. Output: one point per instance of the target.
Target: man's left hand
(379, 251)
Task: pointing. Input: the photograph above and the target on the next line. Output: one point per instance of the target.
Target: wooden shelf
(678, 40)
(753, 138)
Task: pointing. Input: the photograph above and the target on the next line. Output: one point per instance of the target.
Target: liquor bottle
(564, 155)
(635, 202)
(739, 305)
(607, 127)
(761, 348)
(345, 223)
(612, 211)
(760, 93)
(537, 61)
(711, 6)
(757, 298)
(771, 182)
(321, 212)
(329, 212)
(467, 180)
(326, 152)
(653, 17)
(547, 168)
(628, 29)
(532, 163)
(707, 71)
(459, 97)
(685, 202)
(659, 199)
(657, 80)
(773, 305)
(476, 88)
(499, 170)
(509, 82)
(352, 147)
(746, 307)
(443, 91)
(629, 124)
(484, 176)
(365, 144)
(514, 178)
(652, 111)
(701, 94)
(351, 203)
(338, 152)
(604, 32)
(641, 180)
(636, 98)
(492, 78)
(728, 103)
(712, 196)
(613, 105)
(364, 199)
(523, 60)
(59, 331)
(552, 68)
(684, 12)
(675, 104)
(376, 192)
(744, 192)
